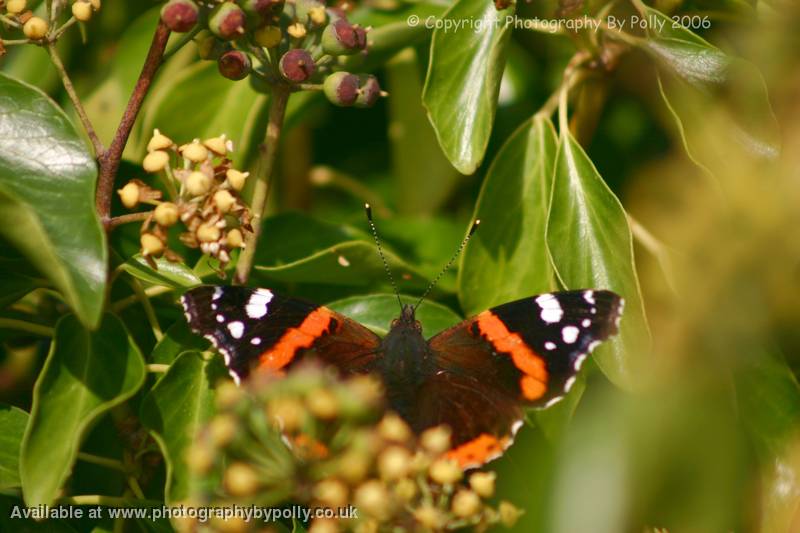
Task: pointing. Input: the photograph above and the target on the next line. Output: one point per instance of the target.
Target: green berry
(227, 21)
(341, 88)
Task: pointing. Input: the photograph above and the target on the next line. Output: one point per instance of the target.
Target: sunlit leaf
(85, 375)
(168, 274)
(13, 422)
(377, 311)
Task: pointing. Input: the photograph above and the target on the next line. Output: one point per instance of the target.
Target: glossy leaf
(463, 81)
(591, 247)
(177, 339)
(47, 181)
(507, 258)
(168, 274)
(13, 422)
(175, 408)
(377, 311)
(85, 375)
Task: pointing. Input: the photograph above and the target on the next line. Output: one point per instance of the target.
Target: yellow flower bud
(288, 413)
(198, 183)
(509, 514)
(155, 161)
(236, 179)
(445, 471)
(331, 492)
(241, 479)
(95, 4)
(15, 7)
(159, 141)
(82, 10)
(35, 29)
(436, 439)
(318, 15)
(199, 459)
(129, 195)
(394, 428)
(353, 466)
(194, 152)
(372, 498)
(224, 200)
(218, 145)
(405, 489)
(323, 404)
(227, 393)
(297, 30)
(166, 214)
(222, 429)
(483, 483)
(466, 503)
(429, 517)
(151, 245)
(268, 36)
(323, 525)
(234, 239)
(394, 463)
(208, 233)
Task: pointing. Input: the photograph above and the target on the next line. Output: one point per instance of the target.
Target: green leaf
(13, 422)
(175, 408)
(463, 81)
(14, 286)
(507, 259)
(378, 310)
(85, 375)
(47, 181)
(591, 247)
(177, 339)
(169, 274)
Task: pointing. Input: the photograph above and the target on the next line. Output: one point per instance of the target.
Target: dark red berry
(342, 38)
(341, 88)
(227, 21)
(262, 9)
(180, 16)
(297, 65)
(234, 65)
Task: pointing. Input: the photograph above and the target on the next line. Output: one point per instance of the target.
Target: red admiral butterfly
(476, 377)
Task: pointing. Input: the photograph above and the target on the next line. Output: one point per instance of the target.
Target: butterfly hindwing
(257, 328)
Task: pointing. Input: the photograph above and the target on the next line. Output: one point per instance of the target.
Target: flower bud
(35, 29)
(180, 16)
(483, 483)
(303, 8)
(151, 245)
(297, 65)
(241, 479)
(209, 46)
(208, 233)
(218, 145)
(268, 36)
(262, 10)
(317, 16)
(509, 514)
(234, 65)
(82, 10)
(394, 463)
(342, 38)
(341, 88)
(323, 404)
(445, 471)
(436, 439)
(224, 200)
(429, 517)
(166, 214)
(405, 489)
(155, 161)
(199, 459)
(129, 195)
(194, 152)
(236, 179)
(234, 239)
(323, 525)
(368, 91)
(297, 30)
(466, 504)
(394, 428)
(198, 183)
(288, 413)
(227, 394)
(372, 498)
(15, 7)
(353, 466)
(222, 429)
(159, 141)
(331, 492)
(95, 4)
(227, 21)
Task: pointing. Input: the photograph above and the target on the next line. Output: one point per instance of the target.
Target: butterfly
(476, 377)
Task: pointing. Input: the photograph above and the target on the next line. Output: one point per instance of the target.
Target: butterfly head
(407, 319)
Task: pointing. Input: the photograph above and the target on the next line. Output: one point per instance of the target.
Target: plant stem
(108, 501)
(28, 327)
(109, 164)
(156, 368)
(99, 149)
(149, 312)
(266, 164)
(183, 41)
(150, 292)
(102, 461)
(127, 219)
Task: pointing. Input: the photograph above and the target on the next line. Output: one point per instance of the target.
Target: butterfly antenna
(449, 263)
(380, 252)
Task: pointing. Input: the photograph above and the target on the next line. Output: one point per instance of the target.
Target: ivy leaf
(177, 339)
(378, 310)
(507, 258)
(13, 421)
(85, 375)
(175, 408)
(591, 247)
(463, 81)
(47, 182)
(169, 274)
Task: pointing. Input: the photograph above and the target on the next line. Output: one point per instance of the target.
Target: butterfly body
(475, 377)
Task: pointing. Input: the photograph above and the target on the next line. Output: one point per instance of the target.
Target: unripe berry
(208, 233)
(155, 161)
(129, 195)
(151, 245)
(224, 200)
(159, 141)
(194, 152)
(227, 21)
(341, 88)
(342, 38)
(234, 65)
(209, 46)
(261, 10)
(218, 145)
(236, 178)
(15, 7)
(35, 29)
(268, 36)
(234, 239)
(198, 183)
(369, 90)
(297, 65)
(95, 4)
(166, 214)
(180, 16)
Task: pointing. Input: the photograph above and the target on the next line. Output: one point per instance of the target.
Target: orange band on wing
(303, 336)
(525, 359)
(479, 450)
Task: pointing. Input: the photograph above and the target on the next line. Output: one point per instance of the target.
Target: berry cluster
(311, 439)
(36, 28)
(295, 43)
(204, 191)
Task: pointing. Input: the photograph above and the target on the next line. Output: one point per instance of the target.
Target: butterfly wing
(523, 353)
(259, 329)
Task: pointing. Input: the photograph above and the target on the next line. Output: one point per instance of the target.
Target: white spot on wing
(569, 383)
(569, 334)
(593, 345)
(236, 328)
(257, 304)
(255, 341)
(586, 323)
(589, 297)
(550, 345)
(551, 309)
(220, 319)
(579, 362)
(217, 293)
